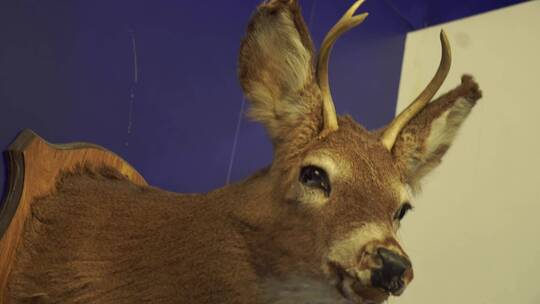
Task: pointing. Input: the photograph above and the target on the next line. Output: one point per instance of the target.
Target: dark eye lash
(402, 211)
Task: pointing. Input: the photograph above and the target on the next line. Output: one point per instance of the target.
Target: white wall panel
(475, 234)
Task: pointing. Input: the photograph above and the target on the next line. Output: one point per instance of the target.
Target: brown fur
(268, 239)
(411, 148)
(276, 70)
(105, 240)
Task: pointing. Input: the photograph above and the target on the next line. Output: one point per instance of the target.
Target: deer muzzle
(394, 274)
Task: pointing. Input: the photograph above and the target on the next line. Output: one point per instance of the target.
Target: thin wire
(312, 13)
(235, 141)
(133, 87)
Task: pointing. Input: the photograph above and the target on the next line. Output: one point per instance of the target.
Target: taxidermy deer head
(339, 189)
(318, 225)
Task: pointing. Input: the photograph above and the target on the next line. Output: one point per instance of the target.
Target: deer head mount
(350, 186)
(317, 225)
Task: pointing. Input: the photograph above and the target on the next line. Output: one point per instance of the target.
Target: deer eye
(315, 177)
(402, 211)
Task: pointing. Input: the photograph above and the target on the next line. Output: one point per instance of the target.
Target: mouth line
(342, 275)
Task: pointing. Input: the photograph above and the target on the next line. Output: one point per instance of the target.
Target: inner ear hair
(424, 141)
(276, 70)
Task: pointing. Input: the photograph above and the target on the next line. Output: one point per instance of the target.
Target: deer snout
(394, 274)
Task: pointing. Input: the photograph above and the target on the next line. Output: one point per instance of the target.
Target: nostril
(390, 276)
(393, 262)
(395, 285)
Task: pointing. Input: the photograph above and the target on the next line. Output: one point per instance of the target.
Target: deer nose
(390, 276)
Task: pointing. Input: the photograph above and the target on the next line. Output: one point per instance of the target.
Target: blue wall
(156, 81)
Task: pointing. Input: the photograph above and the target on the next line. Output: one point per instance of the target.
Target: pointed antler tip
(443, 36)
(445, 43)
(392, 131)
(347, 22)
(352, 10)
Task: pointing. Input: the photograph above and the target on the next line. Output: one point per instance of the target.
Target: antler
(347, 22)
(390, 134)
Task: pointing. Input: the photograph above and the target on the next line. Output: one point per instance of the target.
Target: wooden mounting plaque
(33, 168)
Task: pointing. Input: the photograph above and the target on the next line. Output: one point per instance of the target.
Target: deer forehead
(355, 154)
(348, 166)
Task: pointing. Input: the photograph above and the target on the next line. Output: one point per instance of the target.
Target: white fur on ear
(444, 129)
(288, 64)
(280, 44)
(442, 133)
(425, 140)
(276, 67)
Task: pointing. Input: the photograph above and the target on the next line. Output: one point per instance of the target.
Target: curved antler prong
(394, 128)
(347, 22)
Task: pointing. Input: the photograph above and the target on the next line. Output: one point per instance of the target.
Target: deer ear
(426, 138)
(276, 69)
